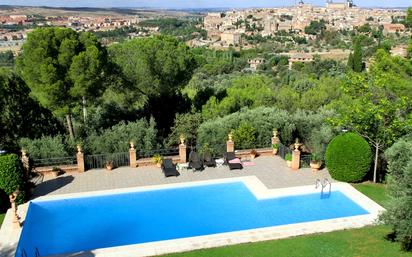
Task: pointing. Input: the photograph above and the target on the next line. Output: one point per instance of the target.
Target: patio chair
(230, 156)
(169, 169)
(208, 160)
(195, 162)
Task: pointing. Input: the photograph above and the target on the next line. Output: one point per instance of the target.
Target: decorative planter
(109, 167)
(315, 165)
(289, 164)
(275, 151)
(252, 156)
(55, 173)
(159, 165)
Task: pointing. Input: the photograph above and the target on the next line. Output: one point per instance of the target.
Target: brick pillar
(132, 156)
(183, 152)
(80, 159)
(296, 156)
(230, 145)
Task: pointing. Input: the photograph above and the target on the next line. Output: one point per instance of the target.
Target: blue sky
(194, 3)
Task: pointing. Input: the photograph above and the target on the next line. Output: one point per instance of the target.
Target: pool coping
(10, 233)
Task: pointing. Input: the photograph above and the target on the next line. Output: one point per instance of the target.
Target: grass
(363, 242)
(374, 191)
(2, 218)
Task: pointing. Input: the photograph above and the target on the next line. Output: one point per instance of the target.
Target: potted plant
(253, 154)
(109, 165)
(315, 161)
(288, 159)
(55, 171)
(275, 148)
(157, 159)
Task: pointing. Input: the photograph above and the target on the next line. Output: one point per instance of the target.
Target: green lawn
(2, 218)
(374, 191)
(363, 242)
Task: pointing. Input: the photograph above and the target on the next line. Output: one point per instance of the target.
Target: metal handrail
(323, 184)
(23, 253)
(54, 161)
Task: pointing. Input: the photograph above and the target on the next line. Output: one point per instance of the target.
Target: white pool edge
(9, 234)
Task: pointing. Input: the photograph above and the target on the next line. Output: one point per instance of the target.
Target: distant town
(217, 30)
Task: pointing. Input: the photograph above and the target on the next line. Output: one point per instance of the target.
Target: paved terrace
(272, 171)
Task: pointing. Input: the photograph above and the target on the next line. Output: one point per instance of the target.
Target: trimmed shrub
(348, 157)
(11, 174)
(44, 147)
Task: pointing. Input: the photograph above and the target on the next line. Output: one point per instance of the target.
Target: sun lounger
(208, 160)
(233, 162)
(195, 162)
(169, 169)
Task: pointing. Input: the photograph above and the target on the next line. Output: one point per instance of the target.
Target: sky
(184, 4)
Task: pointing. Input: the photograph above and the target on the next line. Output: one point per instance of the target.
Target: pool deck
(272, 171)
(269, 177)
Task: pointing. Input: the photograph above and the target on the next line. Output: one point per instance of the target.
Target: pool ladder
(323, 184)
(36, 252)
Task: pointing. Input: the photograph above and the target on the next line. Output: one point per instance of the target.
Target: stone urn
(315, 165)
(109, 165)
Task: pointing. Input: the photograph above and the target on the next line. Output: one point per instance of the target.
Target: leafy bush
(11, 174)
(246, 91)
(186, 125)
(215, 132)
(244, 136)
(288, 157)
(318, 140)
(263, 119)
(117, 138)
(348, 157)
(44, 147)
(399, 179)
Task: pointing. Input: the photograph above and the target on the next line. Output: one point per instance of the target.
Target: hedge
(11, 174)
(117, 138)
(348, 157)
(263, 120)
(45, 147)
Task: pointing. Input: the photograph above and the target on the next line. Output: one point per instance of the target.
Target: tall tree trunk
(70, 126)
(375, 167)
(84, 110)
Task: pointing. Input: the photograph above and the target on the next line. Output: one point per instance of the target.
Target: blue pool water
(79, 224)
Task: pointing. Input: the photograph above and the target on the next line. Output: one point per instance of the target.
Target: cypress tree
(357, 57)
(350, 62)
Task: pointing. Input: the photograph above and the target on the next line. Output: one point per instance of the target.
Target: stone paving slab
(272, 171)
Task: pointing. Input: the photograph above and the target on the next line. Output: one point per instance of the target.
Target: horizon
(200, 4)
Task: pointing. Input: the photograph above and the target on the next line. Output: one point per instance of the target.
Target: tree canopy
(61, 66)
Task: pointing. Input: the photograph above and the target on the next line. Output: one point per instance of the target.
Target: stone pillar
(26, 162)
(296, 156)
(80, 159)
(182, 150)
(275, 142)
(230, 145)
(132, 156)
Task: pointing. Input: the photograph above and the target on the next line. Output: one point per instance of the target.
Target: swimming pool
(86, 223)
